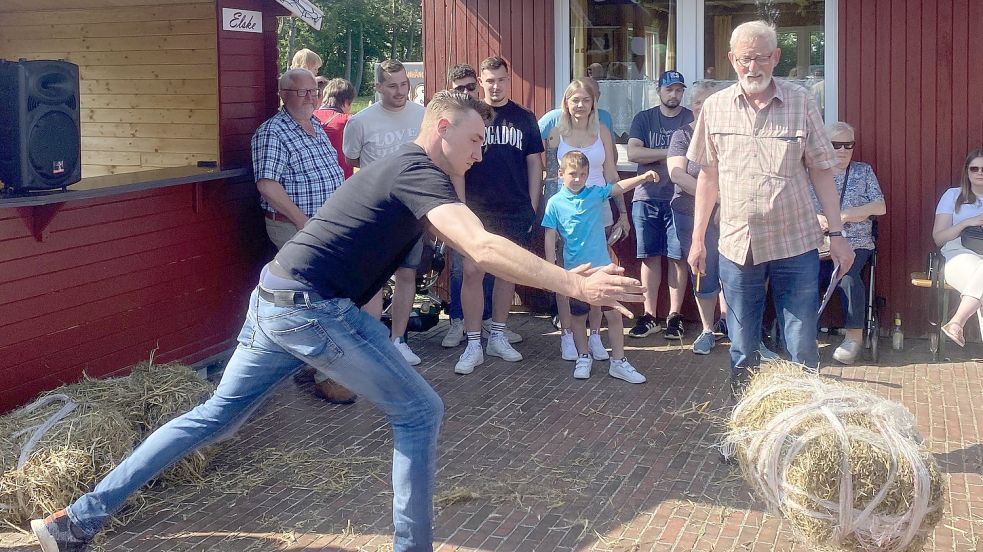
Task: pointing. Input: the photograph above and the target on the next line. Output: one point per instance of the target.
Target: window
(625, 45)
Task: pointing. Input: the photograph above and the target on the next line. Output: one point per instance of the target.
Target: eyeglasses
(760, 59)
(975, 170)
(469, 87)
(844, 145)
(302, 92)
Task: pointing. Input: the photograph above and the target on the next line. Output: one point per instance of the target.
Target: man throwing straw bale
(305, 311)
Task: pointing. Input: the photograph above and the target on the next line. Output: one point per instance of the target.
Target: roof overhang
(306, 10)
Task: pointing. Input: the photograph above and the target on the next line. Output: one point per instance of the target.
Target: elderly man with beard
(761, 144)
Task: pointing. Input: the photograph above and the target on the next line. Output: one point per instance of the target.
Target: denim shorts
(579, 308)
(414, 257)
(710, 280)
(653, 227)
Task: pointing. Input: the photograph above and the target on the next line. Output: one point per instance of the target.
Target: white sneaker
(455, 333)
(486, 332)
(622, 369)
(471, 357)
(408, 354)
(581, 370)
(847, 352)
(568, 349)
(596, 347)
(499, 346)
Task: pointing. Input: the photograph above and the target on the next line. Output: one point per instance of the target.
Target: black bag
(972, 238)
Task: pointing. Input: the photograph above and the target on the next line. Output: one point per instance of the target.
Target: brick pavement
(532, 459)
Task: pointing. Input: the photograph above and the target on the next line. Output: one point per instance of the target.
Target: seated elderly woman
(860, 199)
(961, 208)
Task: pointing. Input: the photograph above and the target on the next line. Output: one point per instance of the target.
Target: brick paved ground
(532, 459)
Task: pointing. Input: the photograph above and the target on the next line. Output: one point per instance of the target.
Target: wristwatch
(836, 234)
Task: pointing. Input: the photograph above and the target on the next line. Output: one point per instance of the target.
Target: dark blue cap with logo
(671, 77)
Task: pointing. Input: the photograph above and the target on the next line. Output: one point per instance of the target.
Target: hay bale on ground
(846, 468)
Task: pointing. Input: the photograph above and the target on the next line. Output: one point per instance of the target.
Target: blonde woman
(579, 130)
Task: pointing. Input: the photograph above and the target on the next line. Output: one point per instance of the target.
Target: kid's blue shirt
(577, 218)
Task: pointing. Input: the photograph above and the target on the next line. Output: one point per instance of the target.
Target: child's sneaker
(596, 347)
(704, 343)
(645, 326)
(622, 369)
(674, 326)
(57, 533)
(581, 370)
(471, 357)
(568, 349)
(498, 345)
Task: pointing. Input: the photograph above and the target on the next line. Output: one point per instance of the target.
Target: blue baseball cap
(671, 77)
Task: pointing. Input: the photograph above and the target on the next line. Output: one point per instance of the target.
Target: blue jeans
(793, 283)
(851, 289)
(457, 280)
(335, 337)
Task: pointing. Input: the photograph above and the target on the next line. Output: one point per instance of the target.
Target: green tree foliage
(354, 35)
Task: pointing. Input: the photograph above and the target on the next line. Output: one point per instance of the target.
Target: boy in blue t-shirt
(574, 214)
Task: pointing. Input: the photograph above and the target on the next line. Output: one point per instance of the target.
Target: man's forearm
(278, 199)
(643, 155)
(534, 168)
(707, 192)
(504, 259)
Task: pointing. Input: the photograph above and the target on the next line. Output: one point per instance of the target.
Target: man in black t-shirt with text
(305, 310)
(503, 191)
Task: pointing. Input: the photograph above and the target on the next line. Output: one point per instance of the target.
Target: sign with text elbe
(243, 21)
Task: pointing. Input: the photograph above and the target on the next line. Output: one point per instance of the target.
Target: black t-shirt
(499, 185)
(358, 238)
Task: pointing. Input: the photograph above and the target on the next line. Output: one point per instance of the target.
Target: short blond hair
(839, 127)
(305, 59)
(574, 159)
(449, 102)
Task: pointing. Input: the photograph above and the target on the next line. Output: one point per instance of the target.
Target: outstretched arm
(603, 286)
(623, 186)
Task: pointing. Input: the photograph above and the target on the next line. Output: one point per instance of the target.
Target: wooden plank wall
(148, 79)
(909, 82)
(468, 31)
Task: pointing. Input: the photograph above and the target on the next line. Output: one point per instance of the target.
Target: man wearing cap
(648, 143)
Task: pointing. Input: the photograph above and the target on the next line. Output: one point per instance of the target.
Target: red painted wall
(168, 269)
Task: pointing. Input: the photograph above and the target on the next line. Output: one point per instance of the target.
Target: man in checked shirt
(296, 170)
(761, 144)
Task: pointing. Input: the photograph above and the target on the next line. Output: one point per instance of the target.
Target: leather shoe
(334, 393)
(954, 332)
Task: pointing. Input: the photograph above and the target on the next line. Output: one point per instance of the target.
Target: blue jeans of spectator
(792, 282)
(336, 337)
(455, 310)
(853, 296)
(710, 279)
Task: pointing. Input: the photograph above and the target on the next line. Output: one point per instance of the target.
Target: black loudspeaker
(40, 139)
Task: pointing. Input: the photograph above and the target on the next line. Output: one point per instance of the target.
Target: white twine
(771, 450)
(39, 431)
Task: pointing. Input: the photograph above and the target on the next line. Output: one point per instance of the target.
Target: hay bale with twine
(845, 467)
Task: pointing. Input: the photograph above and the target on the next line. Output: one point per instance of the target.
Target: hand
(605, 286)
(823, 223)
(624, 225)
(974, 221)
(652, 176)
(841, 253)
(697, 258)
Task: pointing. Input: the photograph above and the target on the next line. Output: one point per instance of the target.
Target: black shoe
(57, 533)
(674, 326)
(720, 328)
(645, 326)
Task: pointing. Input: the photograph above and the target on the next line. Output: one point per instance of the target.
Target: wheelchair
(427, 304)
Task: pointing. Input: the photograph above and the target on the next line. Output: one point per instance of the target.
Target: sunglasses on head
(844, 145)
(975, 169)
(469, 87)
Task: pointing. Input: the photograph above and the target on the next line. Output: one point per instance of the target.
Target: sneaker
(704, 343)
(471, 357)
(486, 332)
(645, 326)
(847, 352)
(622, 369)
(674, 326)
(408, 354)
(455, 333)
(581, 370)
(767, 354)
(568, 349)
(720, 328)
(596, 347)
(499, 346)
(57, 533)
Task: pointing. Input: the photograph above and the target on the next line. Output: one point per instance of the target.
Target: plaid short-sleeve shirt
(762, 158)
(306, 166)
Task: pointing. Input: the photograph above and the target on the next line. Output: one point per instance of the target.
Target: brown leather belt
(276, 216)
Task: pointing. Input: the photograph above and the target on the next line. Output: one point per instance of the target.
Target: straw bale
(845, 467)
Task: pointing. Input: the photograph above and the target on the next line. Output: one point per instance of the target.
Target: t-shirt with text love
(375, 132)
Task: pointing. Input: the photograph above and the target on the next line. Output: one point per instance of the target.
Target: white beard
(754, 87)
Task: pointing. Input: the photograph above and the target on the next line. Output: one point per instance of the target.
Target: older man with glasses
(761, 145)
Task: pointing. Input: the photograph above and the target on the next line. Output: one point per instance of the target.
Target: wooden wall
(468, 31)
(910, 82)
(148, 78)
